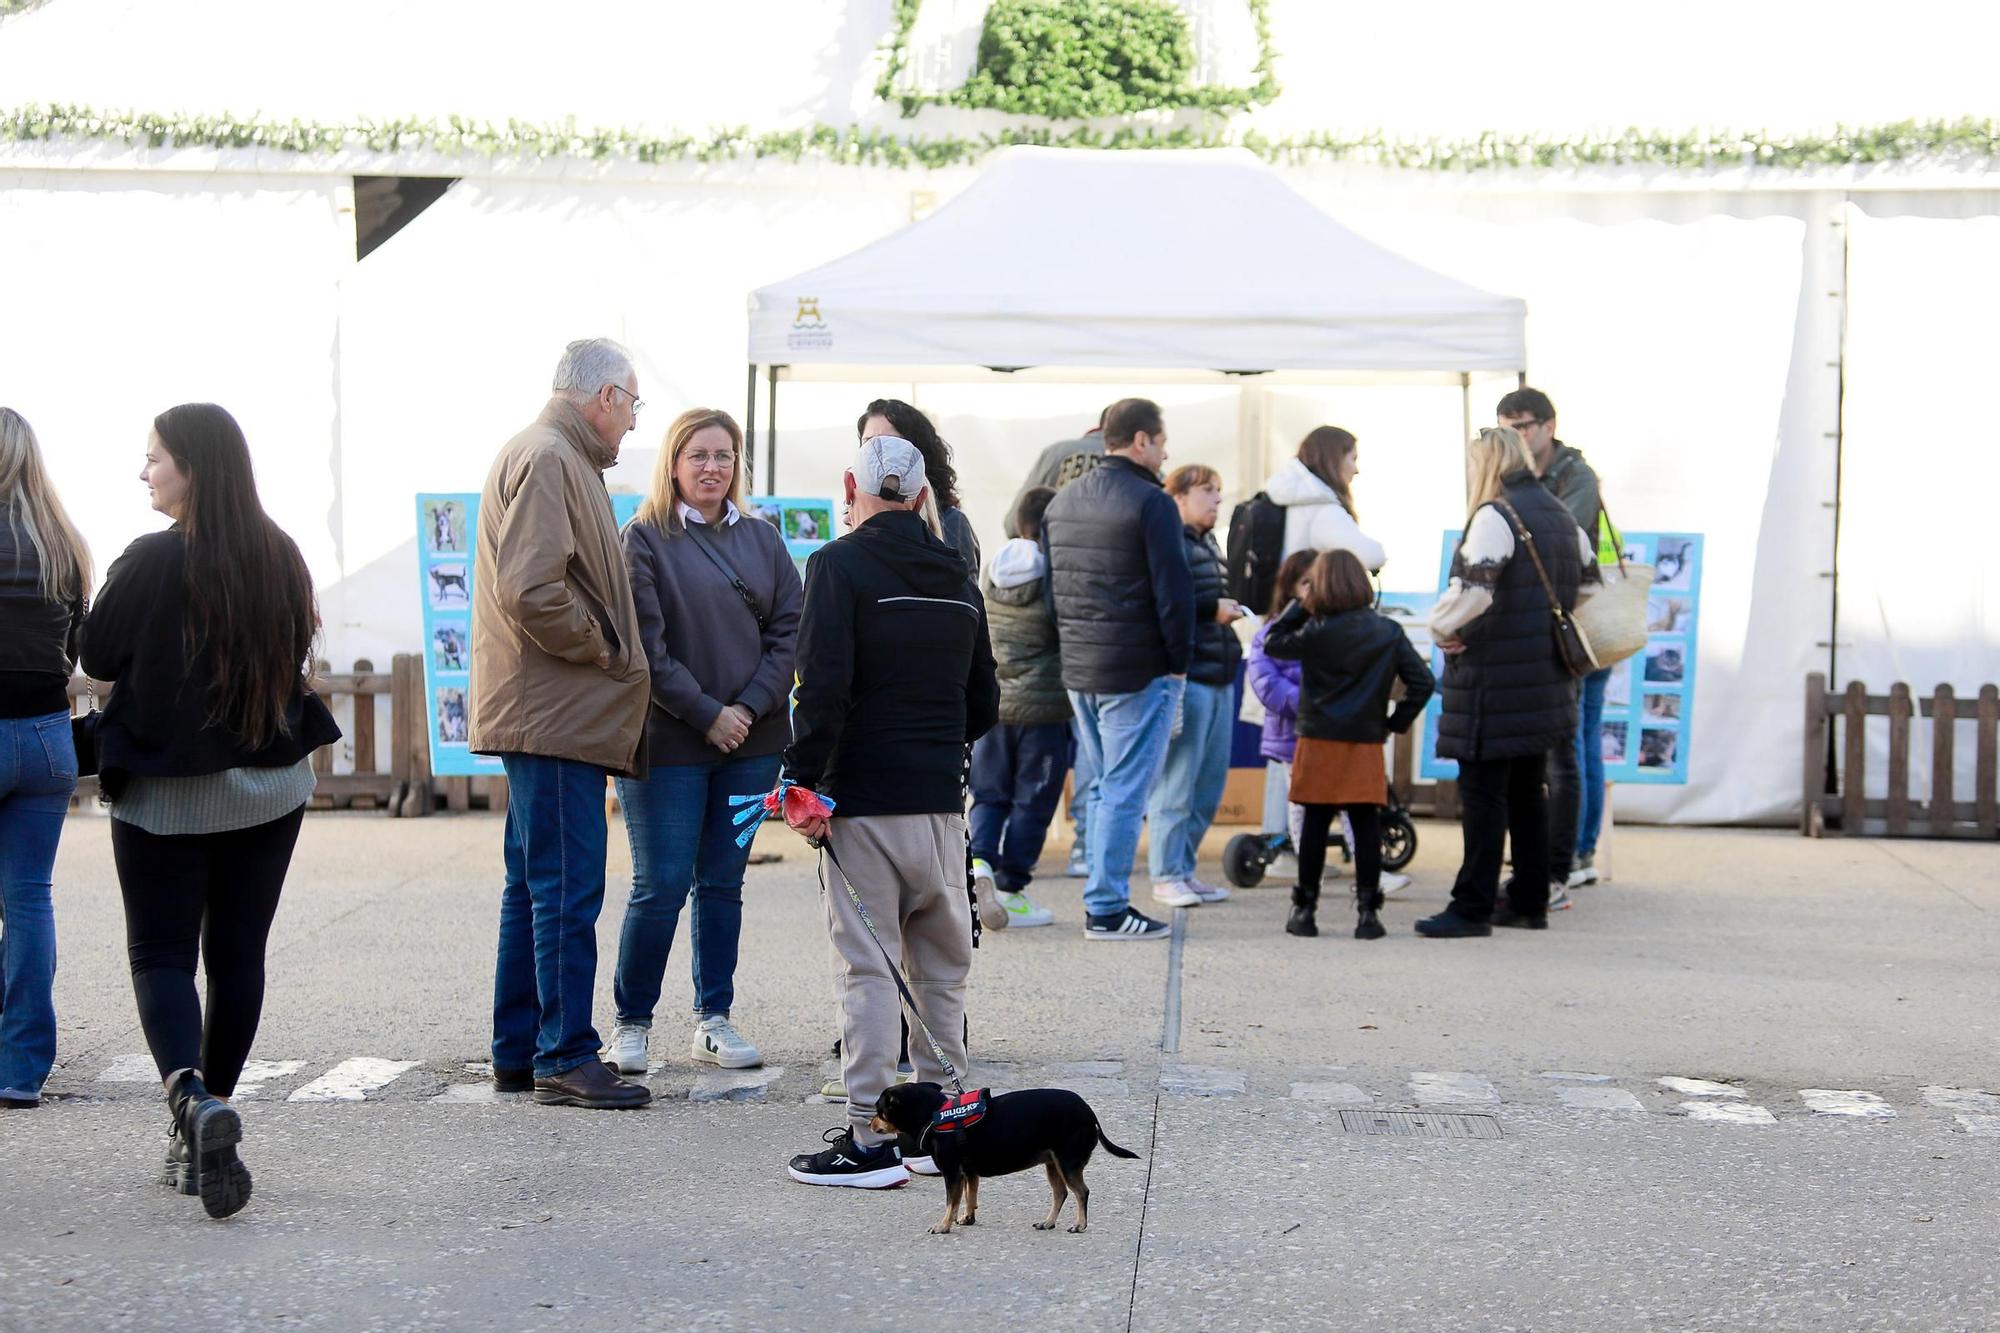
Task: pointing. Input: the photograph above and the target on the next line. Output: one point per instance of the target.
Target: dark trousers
(1565, 783)
(1017, 778)
(1499, 799)
(1367, 822)
(209, 896)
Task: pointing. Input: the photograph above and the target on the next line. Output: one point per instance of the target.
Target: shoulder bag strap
(1527, 539)
(728, 572)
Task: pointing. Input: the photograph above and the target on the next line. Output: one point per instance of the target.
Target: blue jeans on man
(1190, 786)
(37, 777)
(547, 971)
(1017, 780)
(1082, 774)
(1124, 738)
(683, 833)
(1590, 762)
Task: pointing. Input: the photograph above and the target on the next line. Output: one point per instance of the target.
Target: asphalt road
(1773, 971)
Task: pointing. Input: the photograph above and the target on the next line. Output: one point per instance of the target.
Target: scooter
(1247, 856)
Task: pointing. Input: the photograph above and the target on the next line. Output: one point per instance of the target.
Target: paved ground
(1761, 973)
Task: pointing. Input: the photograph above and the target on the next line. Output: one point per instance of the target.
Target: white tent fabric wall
(1919, 592)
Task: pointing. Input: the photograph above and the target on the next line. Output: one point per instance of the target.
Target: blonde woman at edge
(44, 573)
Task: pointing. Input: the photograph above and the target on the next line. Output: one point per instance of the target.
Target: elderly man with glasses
(559, 693)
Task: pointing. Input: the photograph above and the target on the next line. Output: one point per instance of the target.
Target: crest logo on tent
(809, 327)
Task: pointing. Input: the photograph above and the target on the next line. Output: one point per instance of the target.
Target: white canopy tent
(1176, 260)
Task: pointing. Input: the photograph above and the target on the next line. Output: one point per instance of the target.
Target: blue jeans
(1083, 772)
(683, 840)
(1190, 786)
(37, 776)
(1123, 738)
(1590, 762)
(548, 915)
(1017, 778)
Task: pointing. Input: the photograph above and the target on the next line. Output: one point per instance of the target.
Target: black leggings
(206, 894)
(1367, 822)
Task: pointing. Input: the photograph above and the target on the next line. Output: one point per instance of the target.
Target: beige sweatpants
(910, 872)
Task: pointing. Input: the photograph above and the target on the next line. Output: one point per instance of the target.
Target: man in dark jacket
(1123, 601)
(1574, 483)
(895, 680)
(1018, 767)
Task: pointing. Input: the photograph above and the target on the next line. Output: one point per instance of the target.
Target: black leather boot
(1367, 925)
(212, 1129)
(1305, 904)
(179, 1174)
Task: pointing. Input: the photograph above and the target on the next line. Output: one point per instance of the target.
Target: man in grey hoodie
(1018, 767)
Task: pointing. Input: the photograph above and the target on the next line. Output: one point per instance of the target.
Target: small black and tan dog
(1052, 1127)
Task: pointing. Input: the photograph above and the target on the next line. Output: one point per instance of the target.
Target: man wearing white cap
(896, 678)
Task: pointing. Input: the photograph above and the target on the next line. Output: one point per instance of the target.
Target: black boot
(1367, 925)
(212, 1129)
(1305, 904)
(179, 1174)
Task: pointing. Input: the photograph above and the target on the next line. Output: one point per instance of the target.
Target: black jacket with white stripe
(895, 669)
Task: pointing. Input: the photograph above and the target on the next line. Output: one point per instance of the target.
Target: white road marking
(352, 1080)
(1728, 1113)
(256, 1073)
(1345, 1094)
(1981, 1126)
(1575, 1078)
(1701, 1087)
(1201, 1081)
(1451, 1086)
(1961, 1099)
(734, 1085)
(1849, 1102)
(1599, 1099)
(131, 1069)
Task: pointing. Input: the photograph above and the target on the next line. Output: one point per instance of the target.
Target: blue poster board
(447, 529)
(1649, 700)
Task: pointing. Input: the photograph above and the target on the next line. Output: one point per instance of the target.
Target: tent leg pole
(771, 430)
(750, 428)
(1465, 404)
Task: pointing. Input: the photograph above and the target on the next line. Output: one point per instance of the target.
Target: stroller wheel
(1399, 840)
(1244, 859)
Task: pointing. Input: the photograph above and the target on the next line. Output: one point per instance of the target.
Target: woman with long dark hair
(1316, 490)
(204, 752)
(893, 416)
(44, 576)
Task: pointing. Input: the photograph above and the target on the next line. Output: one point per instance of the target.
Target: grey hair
(589, 364)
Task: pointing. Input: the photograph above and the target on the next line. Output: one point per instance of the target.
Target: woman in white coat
(1319, 507)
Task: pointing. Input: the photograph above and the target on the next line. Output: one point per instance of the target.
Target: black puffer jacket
(1217, 651)
(1351, 662)
(1508, 695)
(1118, 577)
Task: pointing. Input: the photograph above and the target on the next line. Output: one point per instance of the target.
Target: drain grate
(1420, 1124)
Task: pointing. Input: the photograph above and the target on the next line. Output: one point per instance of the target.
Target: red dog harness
(960, 1112)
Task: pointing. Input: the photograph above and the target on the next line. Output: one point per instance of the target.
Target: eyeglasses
(717, 461)
(638, 403)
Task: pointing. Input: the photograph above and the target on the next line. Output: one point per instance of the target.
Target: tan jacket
(549, 594)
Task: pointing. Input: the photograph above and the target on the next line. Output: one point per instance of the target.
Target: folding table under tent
(1064, 261)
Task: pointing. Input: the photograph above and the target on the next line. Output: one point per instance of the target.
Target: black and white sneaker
(848, 1163)
(1130, 924)
(915, 1160)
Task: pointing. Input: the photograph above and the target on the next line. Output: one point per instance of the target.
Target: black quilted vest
(1507, 695)
(1107, 624)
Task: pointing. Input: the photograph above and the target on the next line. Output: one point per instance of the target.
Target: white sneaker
(1079, 863)
(1584, 875)
(992, 912)
(1393, 883)
(626, 1051)
(717, 1043)
(1208, 893)
(1022, 912)
(1176, 893)
(1559, 899)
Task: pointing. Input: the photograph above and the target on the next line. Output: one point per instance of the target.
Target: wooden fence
(407, 787)
(1838, 799)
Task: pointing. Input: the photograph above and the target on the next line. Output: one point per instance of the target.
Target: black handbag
(1573, 648)
(83, 731)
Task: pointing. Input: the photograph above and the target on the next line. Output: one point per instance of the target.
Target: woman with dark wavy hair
(204, 753)
(893, 416)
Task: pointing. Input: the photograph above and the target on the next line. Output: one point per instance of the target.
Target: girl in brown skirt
(1352, 658)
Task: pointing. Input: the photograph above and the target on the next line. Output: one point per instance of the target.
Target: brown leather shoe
(594, 1086)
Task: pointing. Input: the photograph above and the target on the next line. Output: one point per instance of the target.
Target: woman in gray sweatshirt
(718, 599)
